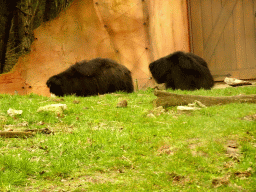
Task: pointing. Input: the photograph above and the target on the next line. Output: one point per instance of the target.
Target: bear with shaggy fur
(180, 70)
(86, 78)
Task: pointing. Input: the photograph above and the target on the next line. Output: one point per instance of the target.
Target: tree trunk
(8, 9)
(18, 19)
(27, 20)
(48, 8)
(18, 31)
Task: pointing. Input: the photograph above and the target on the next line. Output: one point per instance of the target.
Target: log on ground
(23, 134)
(167, 99)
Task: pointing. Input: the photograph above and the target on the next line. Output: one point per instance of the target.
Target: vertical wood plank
(254, 2)
(231, 46)
(229, 41)
(249, 19)
(196, 28)
(206, 18)
(218, 28)
(228, 51)
(239, 35)
(214, 63)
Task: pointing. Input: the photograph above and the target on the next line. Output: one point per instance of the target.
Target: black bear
(180, 70)
(86, 78)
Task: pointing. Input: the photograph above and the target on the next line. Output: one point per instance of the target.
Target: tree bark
(8, 8)
(18, 19)
(48, 10)
(27, 20)
(167, 99)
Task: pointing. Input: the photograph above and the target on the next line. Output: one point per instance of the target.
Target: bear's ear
(89, 68)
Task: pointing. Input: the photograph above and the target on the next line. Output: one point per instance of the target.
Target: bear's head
(55, 85)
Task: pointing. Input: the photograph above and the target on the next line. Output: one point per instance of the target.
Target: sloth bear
(185, 71)
(86, 78)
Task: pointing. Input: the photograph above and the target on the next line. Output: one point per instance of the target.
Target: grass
(99, 147)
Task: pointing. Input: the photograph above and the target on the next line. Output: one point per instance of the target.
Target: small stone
(76, 101)
(122, 103)
(57, 108)
(185, 108)
(13, 112)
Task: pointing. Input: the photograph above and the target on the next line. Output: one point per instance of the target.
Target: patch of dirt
(156, 112)
(165, 149)
(3, 117)
(228, 165)
(232, 150)
(250, 118)
(193, 144)
(61, 128)
(175, 177)
(225, 180)
(194, 151)
(221, 181)
(178, 179)
(80, 183)
(243, 174)
(11, 127)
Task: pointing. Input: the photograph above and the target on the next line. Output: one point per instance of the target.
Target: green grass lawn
(96, 146)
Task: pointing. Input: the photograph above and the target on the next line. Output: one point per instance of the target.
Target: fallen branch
(167, 99)
(23, 134)
(15, 134)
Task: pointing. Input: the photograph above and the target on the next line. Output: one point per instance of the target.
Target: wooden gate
(223, 32)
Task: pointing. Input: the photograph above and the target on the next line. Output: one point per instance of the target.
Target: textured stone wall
(132, 32)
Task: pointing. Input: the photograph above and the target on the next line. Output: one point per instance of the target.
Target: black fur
(97, 76)
(185, 71)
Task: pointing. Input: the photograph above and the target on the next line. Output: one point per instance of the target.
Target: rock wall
(132, 32)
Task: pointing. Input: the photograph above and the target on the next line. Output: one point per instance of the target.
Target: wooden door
(223, 32)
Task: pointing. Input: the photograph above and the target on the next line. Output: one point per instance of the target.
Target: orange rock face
(134, 33)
